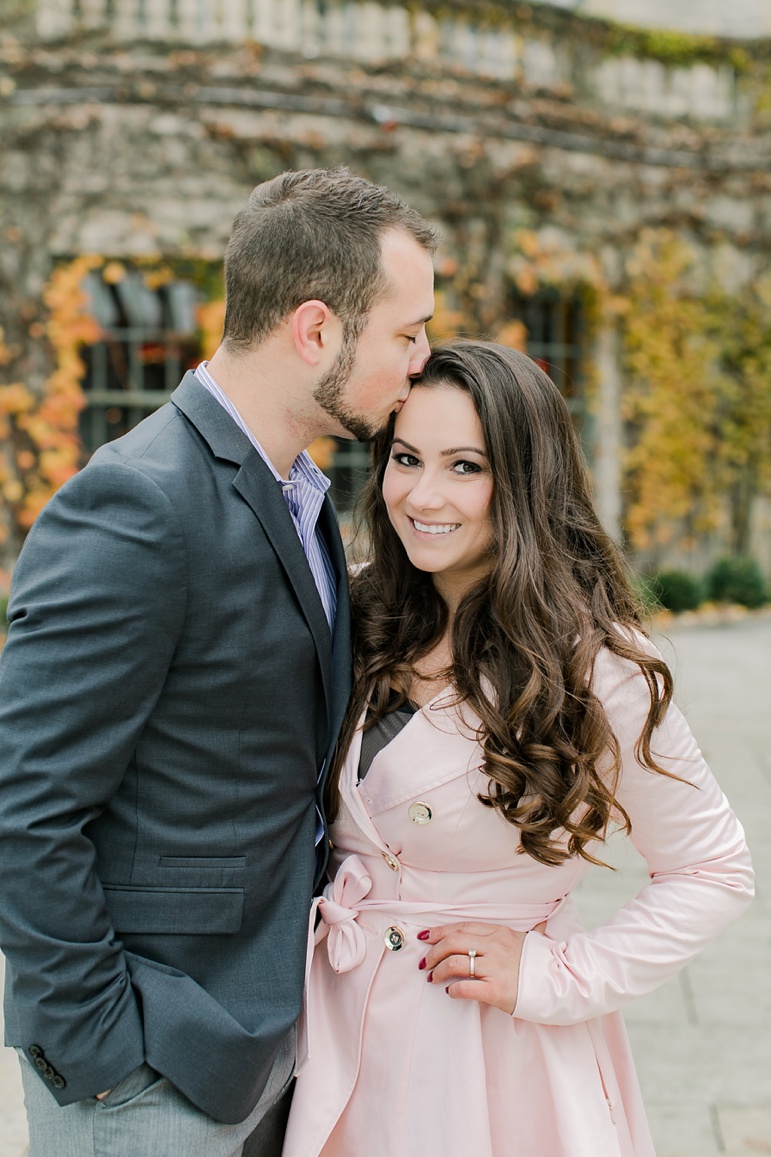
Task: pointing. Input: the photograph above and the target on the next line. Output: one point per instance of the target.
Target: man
(176, 670)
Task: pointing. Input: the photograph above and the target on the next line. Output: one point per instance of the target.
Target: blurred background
(600, 172)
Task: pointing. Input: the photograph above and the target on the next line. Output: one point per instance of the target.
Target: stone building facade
(543, 142)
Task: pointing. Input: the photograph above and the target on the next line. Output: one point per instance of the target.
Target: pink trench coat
(395, 1067)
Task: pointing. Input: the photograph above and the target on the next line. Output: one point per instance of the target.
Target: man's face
(371, 378)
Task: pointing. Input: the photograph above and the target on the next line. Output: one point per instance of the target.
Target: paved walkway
(703, 1042)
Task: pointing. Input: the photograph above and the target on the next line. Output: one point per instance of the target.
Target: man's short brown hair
(311, 235)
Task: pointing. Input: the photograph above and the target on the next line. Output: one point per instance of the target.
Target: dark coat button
(46, 1070)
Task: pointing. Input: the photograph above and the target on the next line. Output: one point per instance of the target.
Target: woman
(508, 713)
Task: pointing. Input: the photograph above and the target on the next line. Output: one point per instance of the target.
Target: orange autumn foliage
(211, 318)
(39, 432)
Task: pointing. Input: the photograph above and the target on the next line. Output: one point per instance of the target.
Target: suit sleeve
(97, 604)
(700, 872)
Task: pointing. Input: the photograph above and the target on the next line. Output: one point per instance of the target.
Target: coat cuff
(549, 992)
(74, 1068)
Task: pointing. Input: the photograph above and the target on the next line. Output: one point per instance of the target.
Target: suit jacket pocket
(182, 911)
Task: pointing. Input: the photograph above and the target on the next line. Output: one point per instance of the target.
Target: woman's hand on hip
(476, 961)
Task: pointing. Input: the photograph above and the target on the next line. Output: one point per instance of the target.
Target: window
(554, 327)
(149, 339)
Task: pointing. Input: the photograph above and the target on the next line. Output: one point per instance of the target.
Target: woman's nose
(426, 493)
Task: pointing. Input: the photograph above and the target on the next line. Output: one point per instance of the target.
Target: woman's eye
(411, 339)
(466, 467)
(405, 459)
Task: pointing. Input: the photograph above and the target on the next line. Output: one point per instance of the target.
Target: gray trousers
(145, 1116)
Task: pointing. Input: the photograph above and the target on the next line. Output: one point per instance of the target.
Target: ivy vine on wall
(697, 397)
(39, 443)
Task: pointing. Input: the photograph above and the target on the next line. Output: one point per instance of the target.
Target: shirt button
(419, 813)
(392, 863)
(394, 938)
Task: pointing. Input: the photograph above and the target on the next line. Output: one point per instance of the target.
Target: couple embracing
(194, 744)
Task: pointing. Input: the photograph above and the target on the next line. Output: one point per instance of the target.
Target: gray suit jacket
(169, 692)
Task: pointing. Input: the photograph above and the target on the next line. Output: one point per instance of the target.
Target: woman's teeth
(436, 528)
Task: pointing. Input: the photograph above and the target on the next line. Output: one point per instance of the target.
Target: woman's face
(438, 487)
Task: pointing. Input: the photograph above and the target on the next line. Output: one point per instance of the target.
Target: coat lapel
(259, 489)
(349, 790)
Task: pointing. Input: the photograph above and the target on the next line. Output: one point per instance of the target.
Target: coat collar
(212, 422)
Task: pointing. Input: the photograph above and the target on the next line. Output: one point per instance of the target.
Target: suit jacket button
(419, 812)
(58, 1082)
(35, 1051)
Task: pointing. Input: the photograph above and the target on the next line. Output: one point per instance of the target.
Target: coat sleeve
(700, 872)
(97, 603)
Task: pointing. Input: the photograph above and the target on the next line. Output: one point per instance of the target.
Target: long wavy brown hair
(557, 592)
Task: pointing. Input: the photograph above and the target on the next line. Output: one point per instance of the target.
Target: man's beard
(329, 393)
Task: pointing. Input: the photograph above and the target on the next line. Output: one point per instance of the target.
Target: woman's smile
(434, 528)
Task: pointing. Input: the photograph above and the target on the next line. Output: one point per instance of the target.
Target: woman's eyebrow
(443, 453)
(463, 450)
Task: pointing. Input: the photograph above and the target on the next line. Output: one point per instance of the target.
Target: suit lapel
(257, 486)
(259, 489)
(341, 644)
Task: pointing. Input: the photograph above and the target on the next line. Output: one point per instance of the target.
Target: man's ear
(316, 332)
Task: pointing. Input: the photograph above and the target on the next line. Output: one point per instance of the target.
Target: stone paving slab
(702, 1043)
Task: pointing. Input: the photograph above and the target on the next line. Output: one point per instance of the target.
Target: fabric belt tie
(345, 898)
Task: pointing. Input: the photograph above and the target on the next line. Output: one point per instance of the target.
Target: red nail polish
(422, 964)
(430, 978)
(424, 935)
(447, 990)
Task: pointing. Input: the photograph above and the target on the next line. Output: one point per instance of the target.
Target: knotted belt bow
(339, 906)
